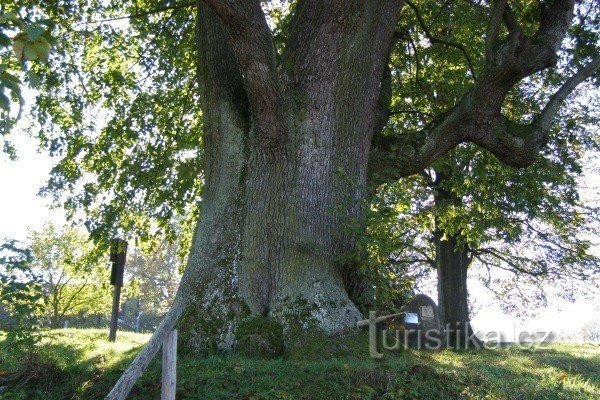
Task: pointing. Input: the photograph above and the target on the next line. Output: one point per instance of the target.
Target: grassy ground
(81, 364)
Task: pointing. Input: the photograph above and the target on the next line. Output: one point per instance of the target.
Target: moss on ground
(81, 364)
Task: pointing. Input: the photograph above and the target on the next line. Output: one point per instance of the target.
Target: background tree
(471, 206)
(155, 273)
(74, 278)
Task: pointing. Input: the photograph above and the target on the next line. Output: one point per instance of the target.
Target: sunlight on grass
(82, 364)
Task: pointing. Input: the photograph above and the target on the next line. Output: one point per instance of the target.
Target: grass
(81, 364)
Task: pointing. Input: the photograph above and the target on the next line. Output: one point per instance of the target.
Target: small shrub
(21, 296)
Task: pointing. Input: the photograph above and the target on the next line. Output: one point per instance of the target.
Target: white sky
(20, 207)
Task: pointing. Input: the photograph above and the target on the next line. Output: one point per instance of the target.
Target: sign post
(118, 250)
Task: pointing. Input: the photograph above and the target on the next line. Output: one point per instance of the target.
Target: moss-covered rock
(259, 337)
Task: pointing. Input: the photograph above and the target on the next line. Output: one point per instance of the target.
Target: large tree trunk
(287, 141)
(277, 206)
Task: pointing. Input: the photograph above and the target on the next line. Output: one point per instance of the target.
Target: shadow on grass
(587, 367)
(62, 371)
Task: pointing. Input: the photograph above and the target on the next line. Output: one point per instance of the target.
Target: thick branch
(510, 21)
(518, 144)
(252, 43)
(554, 23)
(478, 117)
(544, 120)
(492, 36)
(392, 157)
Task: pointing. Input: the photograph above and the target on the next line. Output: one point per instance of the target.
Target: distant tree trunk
(453, 258)
(452, 262)
(54, 312)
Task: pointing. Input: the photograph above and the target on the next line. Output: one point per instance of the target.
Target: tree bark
(452, 262)
(285, 168)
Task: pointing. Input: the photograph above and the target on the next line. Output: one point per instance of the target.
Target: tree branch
(252, 43)
(544, 119)
(417, 61)
(477, 117)
(518, 144)
(510, 20)
(513, 264)
(143, 13)
(554, 23)
(423, 113)
(492, 36)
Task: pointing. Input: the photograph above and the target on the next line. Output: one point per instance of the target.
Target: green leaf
(19, 49)
(41, 48)
(4, 40)
(4, 102)
(30, 52)
(34, 31)
(9, 16)
(34, 80)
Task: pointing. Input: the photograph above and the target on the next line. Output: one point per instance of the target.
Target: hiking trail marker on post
(118, 251)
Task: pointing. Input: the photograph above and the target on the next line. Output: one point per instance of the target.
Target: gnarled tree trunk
(286, 167)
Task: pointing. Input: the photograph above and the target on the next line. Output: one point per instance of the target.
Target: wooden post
(169, 366)
(118, 252)
(114, 319)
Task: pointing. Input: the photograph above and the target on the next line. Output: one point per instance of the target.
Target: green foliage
(30, 43)
(73, 274)
(20, 296)
(371, 280)
(118, 105)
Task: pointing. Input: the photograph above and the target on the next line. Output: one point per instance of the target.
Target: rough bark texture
(292, 140)
(287, 153)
